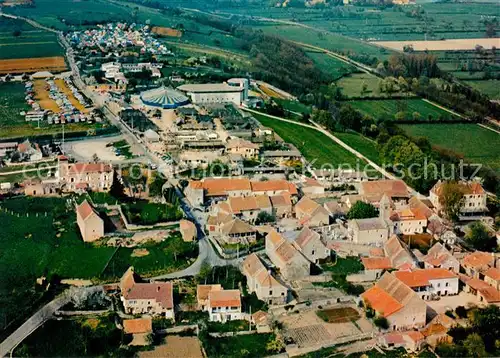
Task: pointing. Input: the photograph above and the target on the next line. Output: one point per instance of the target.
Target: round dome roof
(164, 97)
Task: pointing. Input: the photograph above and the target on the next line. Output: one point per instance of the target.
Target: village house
(310, 244)
(215, 221)
(335, 209)
(431, 282)
(286, 258)
(27, 151)
(473, 202)
(372, 231)
(439, 257)
(248, 208)
(89, 222)
(262, 282)
(310, 213)
(237, 231)
(224, 305)
(476, 263)
(311, 187)
(84, 176)
(202, 292)
(395, 190)
(273, 187)
(282, 205)
(492, 277)
(408, 222)
(375, 266)
(398, 303)
(484, 292)
(399, 255)
(245, 148)
(261, 321)
(412, 341)
(436, 331)
(155, 298)
(41, 188)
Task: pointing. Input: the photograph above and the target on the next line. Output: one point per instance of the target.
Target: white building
(430, 282)
(217, 92)
(224, 305)
(473, 202)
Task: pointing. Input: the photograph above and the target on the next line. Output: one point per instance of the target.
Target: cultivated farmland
(314, 145)
(331, 65)
(475, 143)
(441, 45)
(390, 107)
(29, 65)
(491, 88)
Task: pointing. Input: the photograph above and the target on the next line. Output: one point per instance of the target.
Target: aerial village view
(249, 178)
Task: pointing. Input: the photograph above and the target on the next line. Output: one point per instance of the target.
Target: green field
(312, 144)
(388, 108)
(475, 143)
(352, 86)
(360, 143)
(20, 40)
(491, 88)
(48, 242)
(331, 65)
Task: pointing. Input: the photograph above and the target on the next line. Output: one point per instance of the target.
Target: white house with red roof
(154, 298)
(89, 222)
(431, 282)
(224, 305)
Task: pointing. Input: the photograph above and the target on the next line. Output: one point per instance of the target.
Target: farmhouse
(395, 190)
(476, 263)
(82, 176)
(373, 231)
(154, 298)
(90, 223)
(473, 202)
(398, 303)
(262, 282)
(224, 305)
(286, 258)
(430, 282)
(245, 148)
(399, 254)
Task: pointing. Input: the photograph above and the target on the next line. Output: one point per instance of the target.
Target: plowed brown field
(28, 65)
(166, 31)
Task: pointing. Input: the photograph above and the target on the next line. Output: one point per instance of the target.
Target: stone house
(375, 266)
(286, 258)
(310, 244)
(85, 176)
(439, 257)
(282, 205)
(310, 213)
(202, 292)
(262, 282)
(248, 208)
(398, 303)
(476, 263)
(399, 255)
(89, 222)
(245, 148)
(372, 231)
(492, 277)
(237, 231)
(155, 298)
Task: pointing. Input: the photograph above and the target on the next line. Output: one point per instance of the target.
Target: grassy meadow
(475, 143)
(331, 65)
(389, 108)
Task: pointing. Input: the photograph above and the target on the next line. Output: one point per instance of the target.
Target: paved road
(36, 320)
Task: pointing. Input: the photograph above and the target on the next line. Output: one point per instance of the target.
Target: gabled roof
(274, 185)
(438, 255)
(220, 218)
(138, 325)
(369, 224)
(419, 278)
(252, 265)
(286, 251)
(224, 298)
(467, 187)
(218, 187)
(281, 200)
(493, 273)
(202, 291)
(87, 168)
(85, 210)
(247, 203)
(389, 295)
(306, 205)
(407, 215)
(237, 226)
(274, 237)
(241, 143)
(477, 259)
(420, 208)
(376, 263)
(161, 292)
(306, 235)
(374, 190)
(398, 252)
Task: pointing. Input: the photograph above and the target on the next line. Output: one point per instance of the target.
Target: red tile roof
(423, 277)
(274, 185)
(381, 301)
(493, 273)
(224, 298)
(376, 263)
(84, 168)
(161, 292)
(202, 291)
(477, 259)
(85, 210)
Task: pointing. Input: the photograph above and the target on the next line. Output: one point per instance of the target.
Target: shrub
(322, 315)
(461, 311)
(381, 322)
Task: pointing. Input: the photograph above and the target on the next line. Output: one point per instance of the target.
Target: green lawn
(330, 65)
(313, 144)
(48, 242)
(294, 106)
(491, 88)
(352, 86)
(28, 42)
(360, 143)
(389, 107)
(475, 143)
